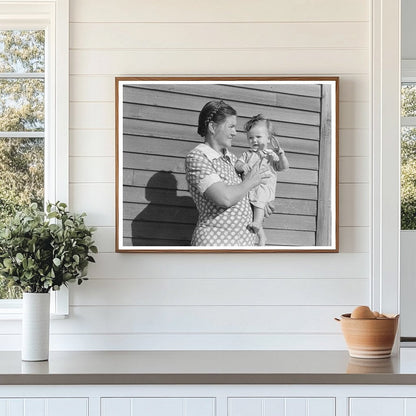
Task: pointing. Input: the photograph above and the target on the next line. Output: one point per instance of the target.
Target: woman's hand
(257, 175)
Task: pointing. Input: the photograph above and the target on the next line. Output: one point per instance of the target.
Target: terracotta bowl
(369, 366)
(369, 338)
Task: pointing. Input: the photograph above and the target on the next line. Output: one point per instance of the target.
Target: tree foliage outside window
(408, 160)
(22, 125)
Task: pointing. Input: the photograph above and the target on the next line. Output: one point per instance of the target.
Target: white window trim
(385, 95)
(52, 15)
(409, 70)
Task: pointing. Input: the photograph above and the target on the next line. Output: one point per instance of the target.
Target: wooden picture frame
(156, 126)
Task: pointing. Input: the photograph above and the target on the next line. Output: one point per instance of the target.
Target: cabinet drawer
(158, 406)
(378, 406)
(44, 407)
(281, 406)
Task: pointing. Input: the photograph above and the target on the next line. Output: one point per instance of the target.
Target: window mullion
(22, 134)
(22, 75)
(408, 121)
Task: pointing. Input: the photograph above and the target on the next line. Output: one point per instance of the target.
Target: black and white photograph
(236, 164)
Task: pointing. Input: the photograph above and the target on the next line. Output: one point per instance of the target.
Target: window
(33, 111)
(22, 124)
(408, 153)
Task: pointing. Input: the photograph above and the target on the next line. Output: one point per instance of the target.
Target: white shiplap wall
(215, 301)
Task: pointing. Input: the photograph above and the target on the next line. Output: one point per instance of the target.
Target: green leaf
(69, 223)
(37, 255)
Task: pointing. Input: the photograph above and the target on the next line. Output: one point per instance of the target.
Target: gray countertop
(208, 367)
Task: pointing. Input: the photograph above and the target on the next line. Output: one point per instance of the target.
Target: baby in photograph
(260, 134)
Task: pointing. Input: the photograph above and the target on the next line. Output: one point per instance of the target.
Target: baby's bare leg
(262, 237)
(257, 225)
(258, 217)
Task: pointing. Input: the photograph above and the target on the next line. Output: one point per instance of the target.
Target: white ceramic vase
(35, 326)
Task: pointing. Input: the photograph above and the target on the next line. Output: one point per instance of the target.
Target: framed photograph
(227, 164)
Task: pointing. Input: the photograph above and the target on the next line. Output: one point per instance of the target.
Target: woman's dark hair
(216, 111)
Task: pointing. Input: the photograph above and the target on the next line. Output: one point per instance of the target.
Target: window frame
(385, 156)
(53, 17)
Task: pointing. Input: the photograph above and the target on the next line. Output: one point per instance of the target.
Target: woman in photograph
(219, 193)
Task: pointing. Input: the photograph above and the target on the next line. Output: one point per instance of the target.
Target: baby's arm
(277, 157)
(281, 164)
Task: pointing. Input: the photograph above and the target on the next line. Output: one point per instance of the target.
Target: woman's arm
(226, 196)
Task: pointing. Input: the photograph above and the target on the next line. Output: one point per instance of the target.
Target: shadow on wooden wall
(168, 219)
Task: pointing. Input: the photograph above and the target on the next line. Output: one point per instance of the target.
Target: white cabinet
(44, 407)
(208, 400)
(160, 406)
(270, 406)
(382, 406)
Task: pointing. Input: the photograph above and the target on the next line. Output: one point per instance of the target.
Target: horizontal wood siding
(160, 210)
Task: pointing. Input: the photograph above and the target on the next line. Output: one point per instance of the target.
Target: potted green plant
(40, 252)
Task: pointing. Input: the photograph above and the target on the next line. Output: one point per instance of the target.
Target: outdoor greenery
(43, 251)
(21, 174)
(408, 105)
(408, 161)
(21, 110)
